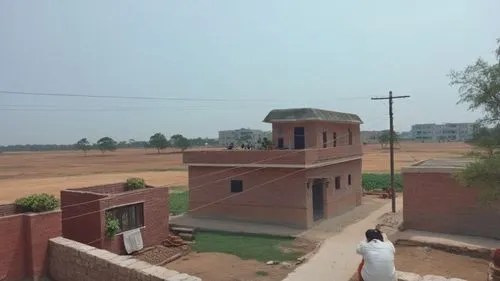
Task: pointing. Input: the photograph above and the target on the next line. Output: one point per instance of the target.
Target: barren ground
(424, 261)
(29, 172)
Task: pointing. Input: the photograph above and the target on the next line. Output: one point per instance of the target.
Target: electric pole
(391, 142)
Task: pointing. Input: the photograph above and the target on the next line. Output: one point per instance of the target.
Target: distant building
(443, 132)
(242, 136)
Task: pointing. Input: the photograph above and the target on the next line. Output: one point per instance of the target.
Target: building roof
(306, 114)
(437, 166)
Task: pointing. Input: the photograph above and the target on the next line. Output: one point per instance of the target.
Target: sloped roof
(306, 114)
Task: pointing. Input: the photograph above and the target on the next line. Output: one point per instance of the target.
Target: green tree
(158, 141)
(384, 138)
(180, 141)
(106, 144)
(83, 145)
(479, 87)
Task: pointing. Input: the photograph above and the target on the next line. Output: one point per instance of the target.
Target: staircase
(186, 233)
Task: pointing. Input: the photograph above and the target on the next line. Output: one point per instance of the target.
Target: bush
(112, 225)
(134, 183)
(37, 203)
(380, 181)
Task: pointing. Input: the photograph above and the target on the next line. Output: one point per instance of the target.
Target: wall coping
(442, 166)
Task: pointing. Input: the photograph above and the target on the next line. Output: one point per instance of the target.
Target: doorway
(299, 138)
(318, 199)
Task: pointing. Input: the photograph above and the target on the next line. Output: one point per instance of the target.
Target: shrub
(37, 203)
(134, 183)
(112, 225)
(380, 181)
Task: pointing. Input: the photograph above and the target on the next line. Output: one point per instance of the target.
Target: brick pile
(73, 261)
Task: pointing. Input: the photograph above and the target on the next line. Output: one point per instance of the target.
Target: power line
(391, 141)
(148, 98)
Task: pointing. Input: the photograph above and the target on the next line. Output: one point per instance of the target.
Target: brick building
(312, 172)
(84, 210)
(434, 201)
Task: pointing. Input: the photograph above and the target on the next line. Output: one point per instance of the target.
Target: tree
(384, 138)
(83, 145)
(180, 141)
(479, 87)
(158, 141)
(106, 144)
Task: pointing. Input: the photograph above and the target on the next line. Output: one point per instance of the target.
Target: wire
(218, 172)
(148, 98)
(344, 136)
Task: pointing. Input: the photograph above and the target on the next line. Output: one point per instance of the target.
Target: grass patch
(178, 202)
(378, 181)
(261, 273)
(247, 247)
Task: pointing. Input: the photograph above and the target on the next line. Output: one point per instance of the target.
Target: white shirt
(379, 260)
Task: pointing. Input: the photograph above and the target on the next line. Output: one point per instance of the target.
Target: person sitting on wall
(378, 257)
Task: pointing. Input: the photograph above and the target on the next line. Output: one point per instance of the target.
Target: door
(299, 138)
(317, 197)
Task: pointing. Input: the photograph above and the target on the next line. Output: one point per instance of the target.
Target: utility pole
(391, 142)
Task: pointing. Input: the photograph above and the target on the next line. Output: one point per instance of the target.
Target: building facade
(242, 136)
(443, 132)
(313, 171)
(434, 201)
(84, 212)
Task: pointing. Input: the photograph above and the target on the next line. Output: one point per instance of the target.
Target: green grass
(261, 273)
(178, 202)
(247, 247)
(379, 181)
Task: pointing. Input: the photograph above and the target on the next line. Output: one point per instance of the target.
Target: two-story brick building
(312, 172)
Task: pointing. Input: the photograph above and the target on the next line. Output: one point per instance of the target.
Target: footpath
(336, 259)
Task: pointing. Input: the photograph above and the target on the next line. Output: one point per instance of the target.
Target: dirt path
(337, 258)
(13, 189)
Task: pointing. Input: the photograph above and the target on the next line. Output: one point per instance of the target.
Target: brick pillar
(39, 228)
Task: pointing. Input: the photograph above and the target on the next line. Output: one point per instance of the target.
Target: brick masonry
(436, 202)
(25, 242)
(73, 261)
(279, 196)
(84, 211)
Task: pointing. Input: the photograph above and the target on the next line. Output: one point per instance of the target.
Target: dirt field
(424, 260)
(29, 172)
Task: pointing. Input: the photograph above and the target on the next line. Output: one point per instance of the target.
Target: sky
(252, 56)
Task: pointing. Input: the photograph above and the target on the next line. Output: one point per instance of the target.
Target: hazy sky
(330, 54)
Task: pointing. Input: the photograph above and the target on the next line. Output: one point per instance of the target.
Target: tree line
(109, 144)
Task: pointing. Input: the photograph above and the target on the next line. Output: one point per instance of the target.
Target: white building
(242, 135)
(443, 132)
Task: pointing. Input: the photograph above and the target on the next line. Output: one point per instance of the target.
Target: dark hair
(372, 234)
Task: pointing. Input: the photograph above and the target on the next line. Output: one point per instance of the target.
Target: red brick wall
(314, 133)
(7, 210)
(284, 201)
(25, 243)
(436, 202)
(338, 201)
(12, 251)
(156, 216)
(42, 228)
(81, 219)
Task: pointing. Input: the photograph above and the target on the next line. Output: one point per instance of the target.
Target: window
(350, 136)
(280, 143)
(334, 139)
(129, 217)
(324, 140)
(236, 186)
(349, 180)
(337, 182)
